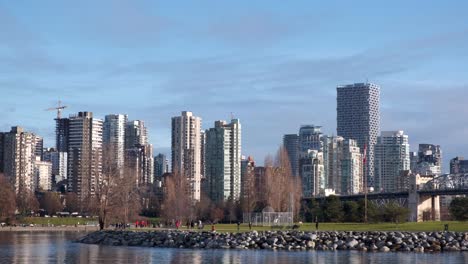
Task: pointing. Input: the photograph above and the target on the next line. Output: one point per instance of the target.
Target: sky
(273, 64)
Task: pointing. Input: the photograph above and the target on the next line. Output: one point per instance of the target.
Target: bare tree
(51, 203)
(7, 199)
(250, 196)
(281, 189)
(125, 197)
(26, 202)
(72, 203)
(100, 201)
(177, 204)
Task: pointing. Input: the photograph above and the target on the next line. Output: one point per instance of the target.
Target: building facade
(140, 163)
(186, 150)
(358, 118)
(312, 174)
(310, 138)
(223, 161)
(291, 144)
(114, 140)
(247, 177)
(332, 158)
(161, 165)
(61, 145)
(135, 134)
(84, 154)
(391, 158)
(458, 165)
(19, 156)
(43, 175)
(429, 160)
(39, 147)
(352, 177)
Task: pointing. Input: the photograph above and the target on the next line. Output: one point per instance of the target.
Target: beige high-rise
(186, 150)
(19, 158)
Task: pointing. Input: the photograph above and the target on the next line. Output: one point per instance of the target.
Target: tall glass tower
(358, 118)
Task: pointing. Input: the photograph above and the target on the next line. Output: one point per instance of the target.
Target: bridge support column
(422, 207)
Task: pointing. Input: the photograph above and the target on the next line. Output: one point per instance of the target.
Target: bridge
(422, 196)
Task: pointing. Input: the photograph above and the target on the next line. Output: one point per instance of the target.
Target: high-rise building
(61, 145)
(332, 158)
(223, 160)
(19, 155)
(186, 150)
(247, 177)
(413, 161)
(311, 160)
(352, 178)
(358, 118)
(310, 138)
(291, 144)
(458, 165)
(39, 146)
(114, 140)
(139, 153)
(84, 154)
(429, 160)
(52, 155)
(140, 163)
(43, 174)
(135, 134)
(312, 173)
(202, 154)
(2, 150)
(391, 158)
(161, 165)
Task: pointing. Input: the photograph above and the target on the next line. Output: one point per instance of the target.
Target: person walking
(316, 224)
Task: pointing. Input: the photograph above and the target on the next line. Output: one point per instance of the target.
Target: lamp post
(365, 182)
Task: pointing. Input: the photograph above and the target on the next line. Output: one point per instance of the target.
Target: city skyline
(258, 66)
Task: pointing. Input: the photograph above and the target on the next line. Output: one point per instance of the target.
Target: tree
(459, 208)
(26, 202)
(72, 203)
(125, 198)
(392, 212)
(281, 190)
(217, 214)
(151, 202)
(51, 203)
(351, 211)
(177, 204)
(310, 209)
(374, 213)
(100, 201)
(7, 199)
(332, 209)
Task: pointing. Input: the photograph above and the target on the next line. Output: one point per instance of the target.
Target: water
(57, 247)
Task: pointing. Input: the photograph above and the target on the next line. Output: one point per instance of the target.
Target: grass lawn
(56, 221)
(410, 226)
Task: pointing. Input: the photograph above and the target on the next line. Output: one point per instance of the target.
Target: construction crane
(58, 108)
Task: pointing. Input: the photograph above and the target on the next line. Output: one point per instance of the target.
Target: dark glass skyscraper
(291, 144)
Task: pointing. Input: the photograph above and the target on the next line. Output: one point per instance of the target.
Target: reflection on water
(56, 247)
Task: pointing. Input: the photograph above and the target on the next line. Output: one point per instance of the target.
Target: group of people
(190, 224)
(142, 224)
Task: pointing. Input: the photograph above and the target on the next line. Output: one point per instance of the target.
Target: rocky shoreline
(286, 240)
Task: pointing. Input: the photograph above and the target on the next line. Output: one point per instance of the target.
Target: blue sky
(274, 64)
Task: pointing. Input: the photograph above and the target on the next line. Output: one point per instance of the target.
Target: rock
(310, 244)
(419, 249)
(279, 240)
(384, 249)
(352, 243)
